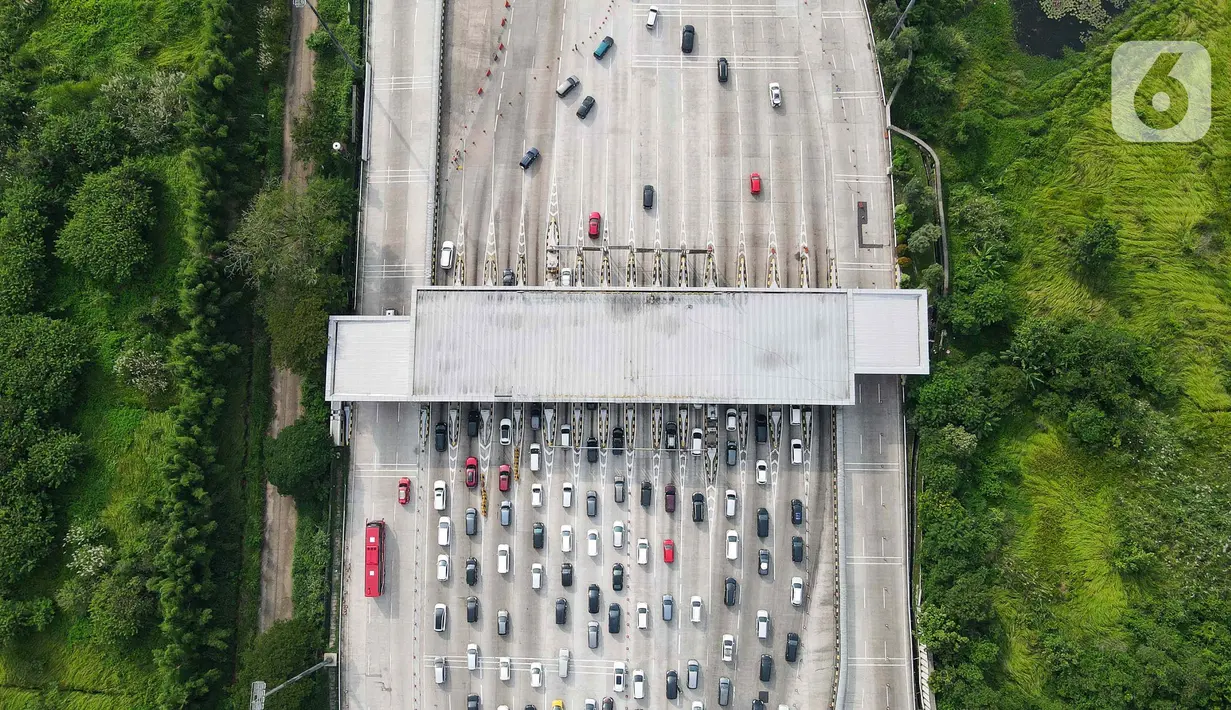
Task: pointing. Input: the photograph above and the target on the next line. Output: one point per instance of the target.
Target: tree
(120, 608)
(291, 237)
(923, 239)
(105, 237)
(22, 251)
(1096, 247)
(298, 327)
(40, 359)
(298, 460)
(284, 650)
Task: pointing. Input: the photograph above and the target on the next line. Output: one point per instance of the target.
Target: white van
(506, 668)
(797, 415)
(564, 663)
(442, 671)
(535, 450)
(732, 544)
(762, 624)
(730, 503)
(566, 435)
(695, 604)
(442, 532)
(797, 451)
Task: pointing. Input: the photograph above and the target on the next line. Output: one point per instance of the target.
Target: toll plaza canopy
(738, 346)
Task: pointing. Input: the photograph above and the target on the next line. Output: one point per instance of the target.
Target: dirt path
(278, 543)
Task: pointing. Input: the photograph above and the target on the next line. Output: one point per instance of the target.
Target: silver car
(775, 94)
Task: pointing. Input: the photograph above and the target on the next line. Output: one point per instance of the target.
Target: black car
(763, 562)
(528, 159)
(722, 70)
(686, 41)
(673, 684)
(608, 704)
(797, 512)
(792, 647)
(566, 574)
(584, 109)
(673, 436)
(473, 420)
(442, 436)
(592, 503)
(762, 429)
(762, 523)
(647, 493)
(669, 498)
(617, 577)
(797, 549)
(510, 279)
(594, 600)
(730, 592)
(592, 450)
(613, 618)
(647, 197)
(472, 609)
(732, 453)
(561, 611)
(698, 507)
(472, 702)
(539, 531)
(767, 667)
(617, 440)
(472, 571)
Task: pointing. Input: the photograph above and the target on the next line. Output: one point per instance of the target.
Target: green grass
(1047, 149)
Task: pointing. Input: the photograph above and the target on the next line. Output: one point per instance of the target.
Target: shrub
(144, 370)
(120, 608)
(298, 322)
(1096, 247)
(146, 107)
(298, 460)
(287, 648)
(105, 237)
(40, 359)
(923, 239)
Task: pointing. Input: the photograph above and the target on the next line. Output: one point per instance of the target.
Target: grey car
(724, 691)
(592, 634)
(502, 622)
(619, 488)
(506, 513)
(587, 104)
(668, 607)
(647, 197)
(472, 521)
(592, 503)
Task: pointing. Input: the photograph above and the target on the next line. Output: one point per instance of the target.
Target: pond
(1041, 35)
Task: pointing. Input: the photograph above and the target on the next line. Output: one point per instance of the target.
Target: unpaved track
(278, 541)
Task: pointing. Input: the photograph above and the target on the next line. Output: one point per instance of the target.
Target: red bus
(374, 559)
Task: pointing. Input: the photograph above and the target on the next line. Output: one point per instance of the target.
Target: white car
(775, 94)
(797, 451)
(566, 538)
(732, 544)
(442, 568)
(536, 576)
(698, 705)
(762, 624)
(442, 532)
(728, 647)
(438, 495)
(506, 431)
(617, 534)
(762, 472)
(643, 551)
(695, 607)
(446, 256)
(730, 503)
(621, 670)
(651, 18)
(698, 442)
(732, 419)
(592, 542)
(638, 684)
(568, 495)
(502, 559)
(536, 495)
(536, 452)
(643, 615)
(797, 591)
(506, 668)
(472, 656)
(536, 675)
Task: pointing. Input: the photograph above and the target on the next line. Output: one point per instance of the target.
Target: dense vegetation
(126, 143)
(1075, 432)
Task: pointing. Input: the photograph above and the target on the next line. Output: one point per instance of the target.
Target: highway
(661, 118)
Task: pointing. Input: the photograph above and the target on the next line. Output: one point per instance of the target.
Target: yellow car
(557, 705)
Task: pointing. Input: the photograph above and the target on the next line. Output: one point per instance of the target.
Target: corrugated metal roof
(621, 345)
(891, 335)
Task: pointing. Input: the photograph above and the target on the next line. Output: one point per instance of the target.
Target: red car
(403, 491)
(505, 475)
(756, 183)
(472, 472)
(668, 551)
(595, 220)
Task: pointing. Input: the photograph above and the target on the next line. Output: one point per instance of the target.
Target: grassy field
(1067, 608)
